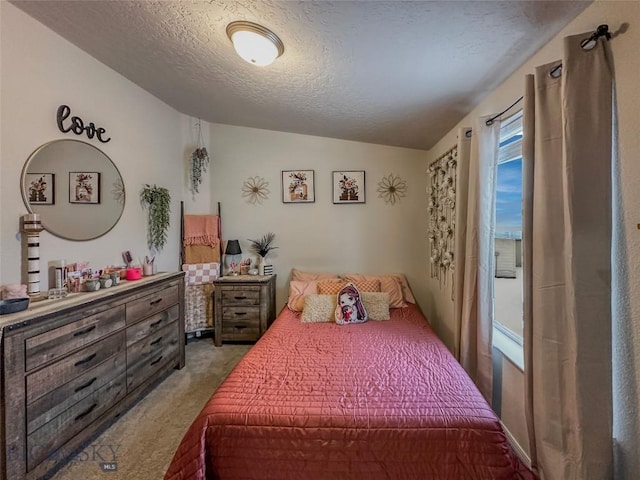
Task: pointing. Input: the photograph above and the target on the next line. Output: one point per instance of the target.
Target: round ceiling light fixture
(254, 43)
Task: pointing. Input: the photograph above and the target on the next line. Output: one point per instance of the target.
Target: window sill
(509, 348)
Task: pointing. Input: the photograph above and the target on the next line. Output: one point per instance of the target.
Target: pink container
(134, 273)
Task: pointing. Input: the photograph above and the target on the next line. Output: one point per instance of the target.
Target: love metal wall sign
(77, 126)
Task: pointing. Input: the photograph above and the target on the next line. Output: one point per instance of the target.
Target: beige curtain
(476, 309)
(462, 196)
(567, 264)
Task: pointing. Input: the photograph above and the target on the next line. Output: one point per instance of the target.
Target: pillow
(318, 308)
(321, 308)
(388, 283)
(406, 290)
(311, 276)
(332, 287)
(377, 305)
(297, 291)
(350, 309)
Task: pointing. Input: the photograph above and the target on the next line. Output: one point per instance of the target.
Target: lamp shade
(233, 248)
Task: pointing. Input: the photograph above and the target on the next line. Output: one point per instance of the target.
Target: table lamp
(232, 252)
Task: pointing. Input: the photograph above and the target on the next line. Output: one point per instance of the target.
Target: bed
(378, 400)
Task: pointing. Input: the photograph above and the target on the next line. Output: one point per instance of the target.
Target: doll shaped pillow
(350, 309)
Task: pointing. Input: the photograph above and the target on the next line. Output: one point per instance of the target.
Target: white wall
(40, 71)
(371, 237)
(626, 285)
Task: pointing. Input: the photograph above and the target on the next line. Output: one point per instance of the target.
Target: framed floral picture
(84, 187)
(40, 188)
(348, 187)
(298, 186)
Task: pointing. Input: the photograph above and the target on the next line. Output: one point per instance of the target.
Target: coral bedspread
(379, 400)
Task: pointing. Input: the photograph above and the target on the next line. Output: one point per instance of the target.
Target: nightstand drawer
(241, 328)
(245, 295)
(232, 314)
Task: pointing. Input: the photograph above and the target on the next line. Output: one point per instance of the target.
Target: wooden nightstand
(245, 307)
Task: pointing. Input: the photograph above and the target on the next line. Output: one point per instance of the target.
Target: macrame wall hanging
(442, 215)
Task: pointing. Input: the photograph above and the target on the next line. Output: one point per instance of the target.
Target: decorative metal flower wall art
(442, 211)
(255, 190)
(392, 188)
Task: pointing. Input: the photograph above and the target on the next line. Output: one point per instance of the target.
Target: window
(508, 299)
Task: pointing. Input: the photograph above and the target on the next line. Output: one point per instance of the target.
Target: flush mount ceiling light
(254, 43)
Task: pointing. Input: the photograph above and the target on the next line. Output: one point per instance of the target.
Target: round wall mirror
(75, 187)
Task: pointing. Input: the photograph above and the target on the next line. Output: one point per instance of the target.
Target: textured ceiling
(387, 72)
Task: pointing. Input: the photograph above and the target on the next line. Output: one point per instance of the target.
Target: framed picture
(40, 188)
(348, 187)
(84, 187)
(298, 186)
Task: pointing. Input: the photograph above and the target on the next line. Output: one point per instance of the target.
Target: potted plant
(262, 247)
(157, 201)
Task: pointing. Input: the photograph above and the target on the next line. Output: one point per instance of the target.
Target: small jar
(105, 281)
(115, 278)
(92, 285)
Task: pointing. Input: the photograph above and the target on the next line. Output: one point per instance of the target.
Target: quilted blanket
(378, 400)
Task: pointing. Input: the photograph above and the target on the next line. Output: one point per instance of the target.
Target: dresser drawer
(52, 404)
(59, 341)
(240, 295)
(45, 440)
(51, 377)
(152, 303)
(150, 325)
(150, 355)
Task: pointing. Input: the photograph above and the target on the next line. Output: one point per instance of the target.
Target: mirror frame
(25, 198)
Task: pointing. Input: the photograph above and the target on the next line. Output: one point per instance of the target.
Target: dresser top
(46, 307)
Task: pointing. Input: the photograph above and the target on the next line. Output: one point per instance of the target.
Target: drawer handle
(240, 327)
(157, 360)
(86, 412)
(155, 302)
(155, 324)
(88, 384)
(85, 360)
(240, 298)
(240, 314)
(157, 340)
(85, 331)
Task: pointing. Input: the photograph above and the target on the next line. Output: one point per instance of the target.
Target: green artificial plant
(157, 201)
(198, 166)
(263, 245)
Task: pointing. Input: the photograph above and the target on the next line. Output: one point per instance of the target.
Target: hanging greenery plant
(157, 201)
(199, 163)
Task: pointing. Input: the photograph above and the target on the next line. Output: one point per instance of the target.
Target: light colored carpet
(142, 442)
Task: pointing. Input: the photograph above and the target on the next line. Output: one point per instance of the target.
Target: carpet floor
(141, 444)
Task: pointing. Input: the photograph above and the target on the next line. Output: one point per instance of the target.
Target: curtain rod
(555, 72)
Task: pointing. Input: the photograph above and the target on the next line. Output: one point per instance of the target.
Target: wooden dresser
(245, 306)
(72, 366)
